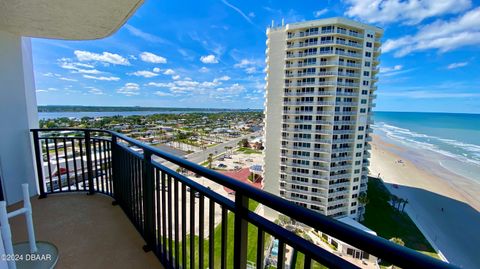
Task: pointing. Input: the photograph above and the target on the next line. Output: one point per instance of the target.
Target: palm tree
(400, 202)
(394, 200)
(405, 202)
(210, 160)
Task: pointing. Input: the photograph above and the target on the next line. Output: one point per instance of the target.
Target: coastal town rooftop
(133, 200)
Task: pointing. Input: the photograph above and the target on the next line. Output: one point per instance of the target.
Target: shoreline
(441, 203)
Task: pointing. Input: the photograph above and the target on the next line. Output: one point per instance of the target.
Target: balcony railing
(322, 63)
(166, 207)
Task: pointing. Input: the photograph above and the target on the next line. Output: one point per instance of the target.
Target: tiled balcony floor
(88, 231)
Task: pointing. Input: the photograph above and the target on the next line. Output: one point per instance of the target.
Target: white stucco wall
(18, 113)
(273, 112)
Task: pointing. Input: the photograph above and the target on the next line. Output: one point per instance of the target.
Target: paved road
(202, 156)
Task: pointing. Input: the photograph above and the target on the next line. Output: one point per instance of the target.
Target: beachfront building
(320, 89)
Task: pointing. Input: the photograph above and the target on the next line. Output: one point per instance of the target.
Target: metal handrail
(377, 246)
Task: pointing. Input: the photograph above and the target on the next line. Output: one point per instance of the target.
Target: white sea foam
(463, 151)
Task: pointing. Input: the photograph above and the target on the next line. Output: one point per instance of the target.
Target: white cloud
(47, 90)
(189, 85)
(457, 65)
(251, 14)
(102, 78)
(442, 35)
(159, 93)
(234, 88)
(84, 65)
(222, 78)
(89, 71)
(244, 63)
(95, 91)
(320, 12)
(387, 69)
(249, 66)
(251, 70)
(169, 72)
(129, 89)
(209, 59)
(145, 36)
(75, 67)
(49, 74)
(238, 11)
(105, 57)
(68, 79)
(405, 11)
(176, 77)
(144, 73)
(156, 70)
(161, 84)
(152, 58)
(204, 70)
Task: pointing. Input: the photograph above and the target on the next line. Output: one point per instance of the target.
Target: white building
(319, 95)
(346, 249)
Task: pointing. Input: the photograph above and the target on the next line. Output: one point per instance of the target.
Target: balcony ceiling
(65, 19)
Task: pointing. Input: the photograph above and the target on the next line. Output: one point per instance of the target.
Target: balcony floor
(88, 231)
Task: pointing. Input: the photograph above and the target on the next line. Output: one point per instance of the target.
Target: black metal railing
(176, 215)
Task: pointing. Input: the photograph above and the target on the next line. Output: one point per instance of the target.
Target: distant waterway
(78, 115)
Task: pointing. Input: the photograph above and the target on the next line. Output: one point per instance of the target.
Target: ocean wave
(447, 147)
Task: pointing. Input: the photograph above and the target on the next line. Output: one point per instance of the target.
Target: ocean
(455, 138)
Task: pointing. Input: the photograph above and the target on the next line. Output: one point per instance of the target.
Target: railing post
(148, 207)
(240, 232)
(113, 152)
(39, 162)
(88, 151)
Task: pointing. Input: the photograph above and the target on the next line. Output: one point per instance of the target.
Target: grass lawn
(388, 222)
(249, 151)
(300, 259)
(251, 243)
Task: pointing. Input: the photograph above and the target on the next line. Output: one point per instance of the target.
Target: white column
(18, 113)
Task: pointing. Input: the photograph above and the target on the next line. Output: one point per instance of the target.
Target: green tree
(363, 198)
(210, 160)
(244, 143)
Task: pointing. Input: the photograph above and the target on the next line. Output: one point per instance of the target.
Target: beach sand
(444, 205)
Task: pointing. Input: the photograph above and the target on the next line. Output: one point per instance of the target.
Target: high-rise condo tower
(320, 89)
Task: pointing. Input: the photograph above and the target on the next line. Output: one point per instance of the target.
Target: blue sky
(212, 54)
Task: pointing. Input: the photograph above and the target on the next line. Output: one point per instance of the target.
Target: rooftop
(356, 224)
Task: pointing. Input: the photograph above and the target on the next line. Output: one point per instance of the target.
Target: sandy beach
(444, 205)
